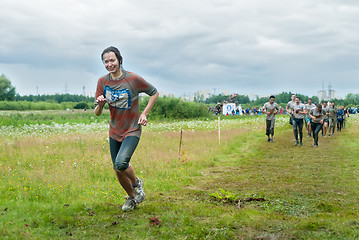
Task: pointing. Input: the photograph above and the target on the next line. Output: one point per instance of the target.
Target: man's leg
(300, 126)
(309, 126)
(272, 122)
(317, 129)
(325, 127)
(268, 124)
(313, 126)
(295, 130)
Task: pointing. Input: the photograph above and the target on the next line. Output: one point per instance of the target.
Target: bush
(174, 108)
(25, 105)
(81, 105)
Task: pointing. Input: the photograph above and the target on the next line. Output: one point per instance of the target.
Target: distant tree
(81, 105)
(351, 99)
(7, 91)
(58, 98)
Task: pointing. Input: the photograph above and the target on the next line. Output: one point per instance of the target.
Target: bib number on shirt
(120, 99)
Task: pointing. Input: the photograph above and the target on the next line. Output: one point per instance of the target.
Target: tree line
(8, 93)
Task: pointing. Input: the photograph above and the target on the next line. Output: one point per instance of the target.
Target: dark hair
(271, 97)
(310, 99)
(115, 51)
(319, 106)
(297, 97)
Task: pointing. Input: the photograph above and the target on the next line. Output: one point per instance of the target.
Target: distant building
(202, 95)
(225, 93)
(322, 95)
(89, 94)
(253, 96)
(326, 95)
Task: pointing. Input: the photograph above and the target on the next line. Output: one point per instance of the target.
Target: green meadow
(57, 182)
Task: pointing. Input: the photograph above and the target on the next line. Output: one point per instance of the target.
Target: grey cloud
(189, 45)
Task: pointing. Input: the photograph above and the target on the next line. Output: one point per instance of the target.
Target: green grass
(20, 118)
(64, 186)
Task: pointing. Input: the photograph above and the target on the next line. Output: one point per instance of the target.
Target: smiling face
(111, 63)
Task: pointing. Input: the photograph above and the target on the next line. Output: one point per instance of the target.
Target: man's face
(271, 100)
(293, 97)
(310, 101)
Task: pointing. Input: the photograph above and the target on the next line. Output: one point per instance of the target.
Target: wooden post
(219, 129)
(180, 145)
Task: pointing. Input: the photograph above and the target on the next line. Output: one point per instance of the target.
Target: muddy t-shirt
(122, 96)
(317, 114)
(333, 112)
(290, 105)
(296, 108)
(309, 107)
(326, 109)
(270, 108)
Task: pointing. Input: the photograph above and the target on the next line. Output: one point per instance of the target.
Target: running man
(289, 108)
(120, 89)
(340, 118)
(317, 115)
(270, 109)
(325, 107)
(308, 107)
(332, 118)
(298, 110)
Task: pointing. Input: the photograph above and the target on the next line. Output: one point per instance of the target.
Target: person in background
(316, 115)
(120, 89)
(308, 107)
(298, 110)
(332, 118)
(289, 107)
(345, 115)
(340, 116)
(325, 107)
(270, 109)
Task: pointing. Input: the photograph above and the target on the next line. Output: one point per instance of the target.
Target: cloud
(185, 46)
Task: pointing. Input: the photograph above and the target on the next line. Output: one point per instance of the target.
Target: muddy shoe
(138, 191)
(130, 204)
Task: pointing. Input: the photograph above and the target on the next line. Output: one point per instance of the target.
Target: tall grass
(63, 186)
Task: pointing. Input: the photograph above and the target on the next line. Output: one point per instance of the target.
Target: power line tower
(66, 89)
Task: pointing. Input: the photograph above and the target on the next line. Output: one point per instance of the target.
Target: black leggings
(298, 125)
(316, 127)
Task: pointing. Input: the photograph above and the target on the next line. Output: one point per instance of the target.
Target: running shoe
(296, 143)
(315, 145)
(130, 204)
(271, 140)
(301, 144)
(138, 191)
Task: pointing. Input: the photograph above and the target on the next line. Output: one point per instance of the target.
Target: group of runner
(316, 118)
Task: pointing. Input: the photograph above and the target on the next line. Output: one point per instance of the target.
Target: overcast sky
(244, 46)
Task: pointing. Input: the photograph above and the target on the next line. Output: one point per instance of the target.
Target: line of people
(317, 118)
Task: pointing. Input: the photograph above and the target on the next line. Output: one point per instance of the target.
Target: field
(57, 182)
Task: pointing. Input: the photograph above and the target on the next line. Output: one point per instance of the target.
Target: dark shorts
(121, 152)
